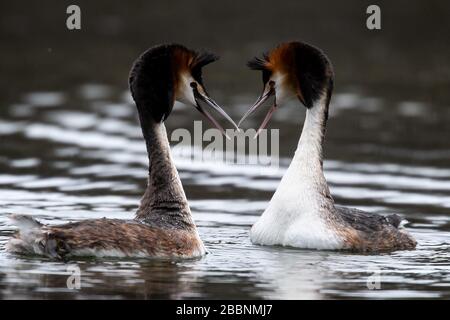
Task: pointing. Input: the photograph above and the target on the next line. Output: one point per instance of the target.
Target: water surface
(71, 147)
(78, 154)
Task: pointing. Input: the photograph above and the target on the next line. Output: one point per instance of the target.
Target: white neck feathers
(296, 215)
(303, 186)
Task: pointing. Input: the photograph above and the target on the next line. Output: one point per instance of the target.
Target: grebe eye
(271, 83)
(193, 85)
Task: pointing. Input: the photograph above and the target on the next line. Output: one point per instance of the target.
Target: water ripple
(70, 165)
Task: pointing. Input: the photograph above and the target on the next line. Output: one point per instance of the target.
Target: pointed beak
(199, 97)
(263, 98)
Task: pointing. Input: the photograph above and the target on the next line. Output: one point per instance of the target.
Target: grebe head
(168, 73)
(292, 69)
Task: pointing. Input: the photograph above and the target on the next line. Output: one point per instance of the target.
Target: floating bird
(163, 226)
(302, 212)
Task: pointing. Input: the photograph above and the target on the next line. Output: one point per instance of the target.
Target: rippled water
(82, 156)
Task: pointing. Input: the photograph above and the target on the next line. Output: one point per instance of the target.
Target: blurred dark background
(71, 147)
(403, 68)
(409, 55)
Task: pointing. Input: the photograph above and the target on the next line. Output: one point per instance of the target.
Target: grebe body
(302, 212)
(163, 226)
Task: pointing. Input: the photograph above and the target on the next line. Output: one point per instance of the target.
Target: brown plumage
(368, 232)
(106, 237)
(163, 226)
(302, 212)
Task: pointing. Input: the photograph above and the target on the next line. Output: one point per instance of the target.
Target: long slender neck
(310, 145)
(305, 174)
(164, 202)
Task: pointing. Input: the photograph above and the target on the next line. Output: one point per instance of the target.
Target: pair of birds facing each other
(301, 213)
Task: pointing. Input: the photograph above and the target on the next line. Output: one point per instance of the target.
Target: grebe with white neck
(302, 212)
(163, 226)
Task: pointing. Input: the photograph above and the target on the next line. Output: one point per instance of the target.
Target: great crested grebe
(163, 225)
(302, 212)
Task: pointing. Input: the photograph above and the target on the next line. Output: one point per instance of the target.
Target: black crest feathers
(200, 60)
(151, 82)
(203, 58)
(258, 63)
